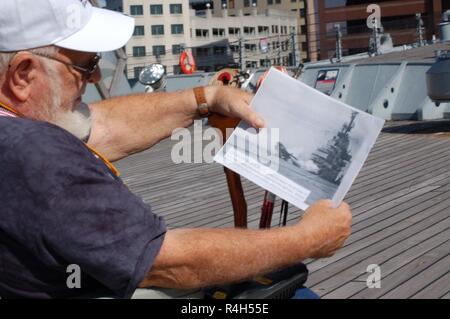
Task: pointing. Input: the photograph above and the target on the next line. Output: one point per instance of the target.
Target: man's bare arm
(125, 125)
(192, 258)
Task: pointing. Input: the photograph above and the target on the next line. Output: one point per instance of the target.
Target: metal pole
(241, 54)
(294, 53)
(337, 27)
(419, 28)
(375, 37)
(279, 50)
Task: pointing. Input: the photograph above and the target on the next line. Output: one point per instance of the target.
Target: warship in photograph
(335, 157)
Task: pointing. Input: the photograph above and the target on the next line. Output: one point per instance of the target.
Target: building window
(201, 33)
(159, 50)
(305, 46)
(263, 29)
(250, 47)
(218, 32)
(177, 29)
(136, 10)
(231, 4)
(234, 48)
(264, 63)
(176, 49)
(234, 31)
(269, 2)
(158, 29)
(156, 9)
(277, 1)
(176, 8)
(302, 13)
(137, 71)
(303, 29)
(176, 69)
(249, 30)
(139, 51)
(139, 30)
(250, 3)
(251, 64)
(336, 4)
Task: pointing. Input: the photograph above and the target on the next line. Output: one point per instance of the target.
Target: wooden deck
(400, 202)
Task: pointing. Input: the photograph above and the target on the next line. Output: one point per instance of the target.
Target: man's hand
(327, 227)
(232, 102)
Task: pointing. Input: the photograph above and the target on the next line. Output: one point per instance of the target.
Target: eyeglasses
(87, 70)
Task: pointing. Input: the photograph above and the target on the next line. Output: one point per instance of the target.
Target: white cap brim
(106, 31)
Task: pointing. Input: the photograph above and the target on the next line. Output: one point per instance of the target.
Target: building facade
(297, 7)
(398, 18)
(164, 28)
(255, 40)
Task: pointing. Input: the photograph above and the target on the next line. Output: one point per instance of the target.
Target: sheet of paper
(313, 147)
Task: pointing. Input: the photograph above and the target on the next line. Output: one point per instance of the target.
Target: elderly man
(63, 203)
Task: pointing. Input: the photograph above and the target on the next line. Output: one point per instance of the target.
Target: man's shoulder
(43, 152)
(37, 145)
(19, 126)
(25, 134)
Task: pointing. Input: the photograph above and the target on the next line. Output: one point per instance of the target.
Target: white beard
(77, 122)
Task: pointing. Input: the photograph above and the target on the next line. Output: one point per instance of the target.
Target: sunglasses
(86, 70)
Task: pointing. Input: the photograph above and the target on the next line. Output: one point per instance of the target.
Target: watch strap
(202, 106)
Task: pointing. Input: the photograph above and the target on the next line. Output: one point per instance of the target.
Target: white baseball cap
(70, 24)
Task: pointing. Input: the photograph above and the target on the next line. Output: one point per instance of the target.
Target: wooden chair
(224, 125)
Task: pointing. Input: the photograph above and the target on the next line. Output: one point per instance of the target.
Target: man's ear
(21, 75)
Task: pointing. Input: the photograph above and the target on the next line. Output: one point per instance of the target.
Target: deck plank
(417, 283)
(328, 275)
(436, 290)
(399, 269)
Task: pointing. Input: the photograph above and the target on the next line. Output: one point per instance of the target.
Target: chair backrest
(224, 125)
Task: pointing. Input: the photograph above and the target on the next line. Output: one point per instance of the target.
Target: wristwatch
(202, 106)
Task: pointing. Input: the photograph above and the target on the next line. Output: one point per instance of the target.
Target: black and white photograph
(320, 144)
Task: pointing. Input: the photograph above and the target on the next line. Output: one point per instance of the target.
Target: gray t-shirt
(61, 206)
